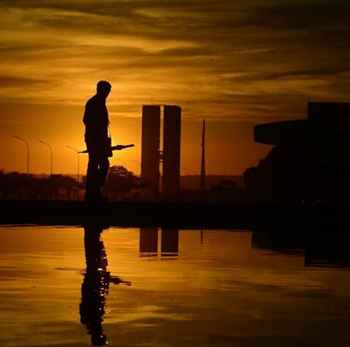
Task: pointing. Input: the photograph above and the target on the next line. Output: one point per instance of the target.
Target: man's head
(103, 88)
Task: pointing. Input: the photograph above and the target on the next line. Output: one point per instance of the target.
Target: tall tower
(203, 168)
(150, 157)
(171, 150)
(150, 147)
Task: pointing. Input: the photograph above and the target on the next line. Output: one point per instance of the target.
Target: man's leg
(92, 177)
(104, 167)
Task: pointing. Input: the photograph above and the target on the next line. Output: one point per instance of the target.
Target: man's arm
(87, 112)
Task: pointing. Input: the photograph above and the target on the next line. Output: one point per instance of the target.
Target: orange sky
(232, 63)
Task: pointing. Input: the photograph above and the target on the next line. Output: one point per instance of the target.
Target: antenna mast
(203, 169)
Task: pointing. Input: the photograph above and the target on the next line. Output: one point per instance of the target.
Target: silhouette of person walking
(97, 141)
(95, 286)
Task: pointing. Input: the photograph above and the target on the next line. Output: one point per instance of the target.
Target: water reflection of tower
(95, 286)
(152, 156)
(169, 244)
(148, 244)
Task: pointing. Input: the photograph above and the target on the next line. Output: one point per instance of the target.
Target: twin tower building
(153, 155)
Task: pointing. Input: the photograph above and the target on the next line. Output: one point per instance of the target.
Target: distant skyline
(233, 63)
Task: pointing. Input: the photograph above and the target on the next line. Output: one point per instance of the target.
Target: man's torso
(96, 121)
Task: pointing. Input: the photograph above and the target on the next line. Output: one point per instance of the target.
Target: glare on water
(68, 287)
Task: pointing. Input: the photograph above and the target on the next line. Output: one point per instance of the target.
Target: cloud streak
(220, 58)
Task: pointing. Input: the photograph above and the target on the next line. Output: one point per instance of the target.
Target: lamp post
(51, 155)
(78, 160)
(28, 152)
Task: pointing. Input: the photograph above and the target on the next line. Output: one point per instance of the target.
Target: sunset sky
(233, 63)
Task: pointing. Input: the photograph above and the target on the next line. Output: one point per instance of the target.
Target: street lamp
(28, 152)
(51, 155)
(78, 160)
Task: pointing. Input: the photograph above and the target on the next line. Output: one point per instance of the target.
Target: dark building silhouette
(150, 147)
(152, 155)
(309, 161)
(171, 150)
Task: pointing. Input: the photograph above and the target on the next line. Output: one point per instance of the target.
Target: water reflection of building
(309, 159)
(320, 248)
(148, 244)
(95, 285)
(169, 244)
(328, 248)
(279, 241)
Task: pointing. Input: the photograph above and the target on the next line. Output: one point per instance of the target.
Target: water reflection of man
(95, 285)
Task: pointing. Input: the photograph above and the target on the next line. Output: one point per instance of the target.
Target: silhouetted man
(97, 141)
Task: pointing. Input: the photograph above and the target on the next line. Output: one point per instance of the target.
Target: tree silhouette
(121, 182)
(14, 185)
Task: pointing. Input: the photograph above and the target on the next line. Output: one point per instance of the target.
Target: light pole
(78, 160)
(28, 152)
(51, 155)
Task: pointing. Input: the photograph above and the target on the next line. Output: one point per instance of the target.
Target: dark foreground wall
(171, 215)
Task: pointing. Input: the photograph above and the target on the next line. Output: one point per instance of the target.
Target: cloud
(10, 81)
(229, 58)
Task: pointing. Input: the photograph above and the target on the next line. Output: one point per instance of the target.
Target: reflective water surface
(148, 287)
